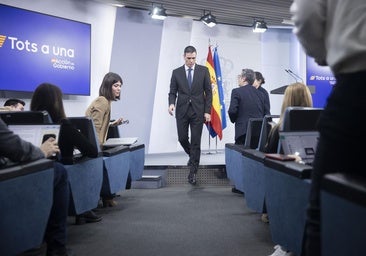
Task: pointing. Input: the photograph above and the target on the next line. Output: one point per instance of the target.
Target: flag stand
(216, 146)
(209, 141)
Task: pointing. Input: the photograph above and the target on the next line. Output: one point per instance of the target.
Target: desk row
(282, 189)
(26, 192)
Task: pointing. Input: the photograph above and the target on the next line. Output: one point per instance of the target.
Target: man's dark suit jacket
(200, 95)
(246, 102)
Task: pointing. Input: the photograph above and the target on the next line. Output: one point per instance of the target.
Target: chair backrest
(253, 132)
(86, 126)
(300, 119)
(25, 117)
(113, 132)
(267, 125)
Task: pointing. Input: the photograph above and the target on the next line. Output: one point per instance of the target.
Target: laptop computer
(114, 142)
(302, 144)
(36, 133)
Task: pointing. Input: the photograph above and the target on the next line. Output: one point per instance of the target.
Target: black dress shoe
(189, 163)
(60, 251)
(237, 191)
(87, 217)
(192, 178)
(37, 251)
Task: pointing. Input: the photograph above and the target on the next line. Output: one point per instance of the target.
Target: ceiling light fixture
(259, 26)
(208, 19)
(158, 13)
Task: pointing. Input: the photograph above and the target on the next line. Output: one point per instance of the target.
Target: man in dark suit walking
(190, 96)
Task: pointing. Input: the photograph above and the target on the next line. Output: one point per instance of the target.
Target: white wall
(145, 51)
(238, 48)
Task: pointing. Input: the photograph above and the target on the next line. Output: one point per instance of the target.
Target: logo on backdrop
(2, 40)
(322, 78)
(61, 56)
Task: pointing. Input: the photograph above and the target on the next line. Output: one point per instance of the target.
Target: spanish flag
(215, 127)
(217, 65)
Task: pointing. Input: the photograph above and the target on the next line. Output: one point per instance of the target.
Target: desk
(234, 165)
(116, 166)
(26, 194)
(343, 211)
(85, 179)
(253, 179)
(137, 161)
(287, 196)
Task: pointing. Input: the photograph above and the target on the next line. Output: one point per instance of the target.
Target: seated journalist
(15, 149)
(13, 105)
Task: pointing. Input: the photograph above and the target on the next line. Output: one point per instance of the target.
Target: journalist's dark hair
(189, 49)
(106, 86)
(259, 76)
(13, 102)
(49, 97)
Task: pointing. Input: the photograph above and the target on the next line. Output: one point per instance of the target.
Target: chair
(86, 126)
(25, 117)
(86, 175)
(300, 119)
(267, 125)
(343, 208)
(297, 119)
(253, 133)
(113, 132)
(26, 191)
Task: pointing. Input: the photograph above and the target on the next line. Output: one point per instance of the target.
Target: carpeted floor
(174, 221)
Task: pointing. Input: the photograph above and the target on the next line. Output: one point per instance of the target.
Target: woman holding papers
(100, 111)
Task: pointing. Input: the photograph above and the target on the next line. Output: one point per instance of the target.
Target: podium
(281, 90)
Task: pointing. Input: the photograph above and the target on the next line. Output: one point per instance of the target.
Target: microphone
(290, 73)
(125, 121)
(289, 70)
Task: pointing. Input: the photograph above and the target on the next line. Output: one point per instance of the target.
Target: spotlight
(158, 13)
(259, 26)
(208, 19)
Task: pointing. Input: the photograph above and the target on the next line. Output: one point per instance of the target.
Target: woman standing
(100, 111)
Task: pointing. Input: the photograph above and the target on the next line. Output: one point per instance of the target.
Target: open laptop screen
(113, 142)
(302, 144)
(36, 133)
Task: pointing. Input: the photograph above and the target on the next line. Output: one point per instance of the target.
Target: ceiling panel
(232, 12)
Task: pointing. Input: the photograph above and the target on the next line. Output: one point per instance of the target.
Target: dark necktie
(189, 77)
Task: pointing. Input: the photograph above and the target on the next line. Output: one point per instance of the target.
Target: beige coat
(100, 111)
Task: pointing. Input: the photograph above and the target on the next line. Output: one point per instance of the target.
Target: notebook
(36, 133)
(302, 144)
(113, 142)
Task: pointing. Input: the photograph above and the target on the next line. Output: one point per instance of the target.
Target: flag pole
(209, 139)
(216, 146)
